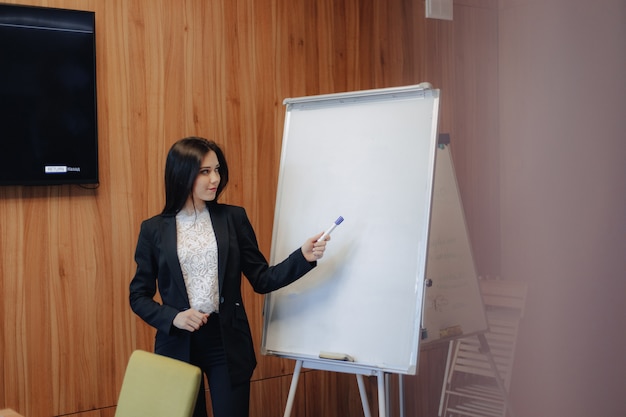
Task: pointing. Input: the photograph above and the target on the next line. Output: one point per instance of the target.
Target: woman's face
(205, 185)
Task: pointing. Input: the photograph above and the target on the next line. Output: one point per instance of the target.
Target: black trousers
(207, 352)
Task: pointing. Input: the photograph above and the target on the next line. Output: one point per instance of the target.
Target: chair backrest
(158, 386)
(504, 303)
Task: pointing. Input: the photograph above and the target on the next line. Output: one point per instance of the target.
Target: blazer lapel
(219, 219)
(170, 250)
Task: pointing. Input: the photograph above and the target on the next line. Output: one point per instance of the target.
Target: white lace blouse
(197, 254)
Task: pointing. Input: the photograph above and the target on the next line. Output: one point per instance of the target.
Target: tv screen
(48, 118)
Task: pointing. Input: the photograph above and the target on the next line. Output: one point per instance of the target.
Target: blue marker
(331, 228)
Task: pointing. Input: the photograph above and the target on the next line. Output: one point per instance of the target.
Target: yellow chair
(158, 386)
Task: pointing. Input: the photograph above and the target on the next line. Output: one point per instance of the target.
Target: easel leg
(382, 410)
(445, 378)
(366, 406)
(292, 388)
(387, 394)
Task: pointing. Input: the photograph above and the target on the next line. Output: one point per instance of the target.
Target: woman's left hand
(314, 250)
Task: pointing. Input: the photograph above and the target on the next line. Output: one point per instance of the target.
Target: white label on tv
(55, 169)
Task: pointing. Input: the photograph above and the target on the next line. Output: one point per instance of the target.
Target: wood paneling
(220, 69)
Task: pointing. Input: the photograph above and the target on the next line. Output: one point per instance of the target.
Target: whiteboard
(368, 156)
(453, 305)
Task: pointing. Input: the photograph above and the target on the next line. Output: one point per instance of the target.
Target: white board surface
(453, 305)
(368, 156)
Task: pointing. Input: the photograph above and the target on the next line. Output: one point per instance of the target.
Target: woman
(195, 252)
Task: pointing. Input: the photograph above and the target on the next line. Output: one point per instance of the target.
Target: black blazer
(238, 251)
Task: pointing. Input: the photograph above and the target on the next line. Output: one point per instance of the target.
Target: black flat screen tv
(48, 113)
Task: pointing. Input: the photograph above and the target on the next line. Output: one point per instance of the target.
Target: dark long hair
(182, 166)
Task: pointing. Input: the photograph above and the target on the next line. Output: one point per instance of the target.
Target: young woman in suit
(194, 253)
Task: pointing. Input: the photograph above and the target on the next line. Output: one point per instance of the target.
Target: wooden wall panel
(219, 69)
(334, 394)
